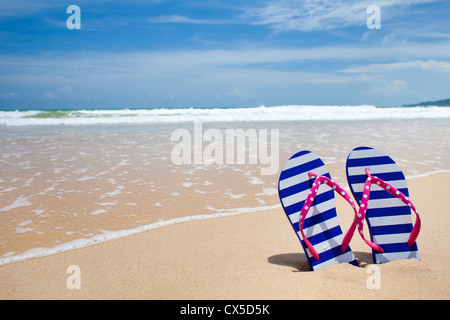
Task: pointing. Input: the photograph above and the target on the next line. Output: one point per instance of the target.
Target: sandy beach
(249, 256)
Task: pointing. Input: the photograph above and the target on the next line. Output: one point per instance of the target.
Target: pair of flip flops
(378, 185)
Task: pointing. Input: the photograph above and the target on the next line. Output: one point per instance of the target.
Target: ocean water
(74, 178)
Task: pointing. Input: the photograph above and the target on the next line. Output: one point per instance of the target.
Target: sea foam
(181, 115)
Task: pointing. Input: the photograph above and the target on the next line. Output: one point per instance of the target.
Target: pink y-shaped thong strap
(310, 199)
(359, 218)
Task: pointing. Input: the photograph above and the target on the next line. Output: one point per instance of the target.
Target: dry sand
(249, 256)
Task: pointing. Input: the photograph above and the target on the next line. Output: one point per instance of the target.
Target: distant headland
(438, 103)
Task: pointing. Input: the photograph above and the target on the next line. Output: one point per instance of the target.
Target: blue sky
(222, 53)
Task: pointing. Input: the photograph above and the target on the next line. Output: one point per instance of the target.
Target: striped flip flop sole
(321, 226)
(388, 218)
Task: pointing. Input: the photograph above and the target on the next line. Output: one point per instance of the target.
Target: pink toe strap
(359, 218)
(310, 199)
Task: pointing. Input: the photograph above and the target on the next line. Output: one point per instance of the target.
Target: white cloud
(179, 19)
(249, 75)
(312, 15)
(76, 70)
(92, 69)
(307, 15)
(430, 65)
(183, 19)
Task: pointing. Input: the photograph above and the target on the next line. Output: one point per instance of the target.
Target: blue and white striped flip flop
(312, 211)
(379, 186)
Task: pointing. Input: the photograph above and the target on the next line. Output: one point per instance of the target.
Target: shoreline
(120, 234)
(109, 236)
(246, 256)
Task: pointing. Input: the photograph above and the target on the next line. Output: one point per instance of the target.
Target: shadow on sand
(299, 262)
